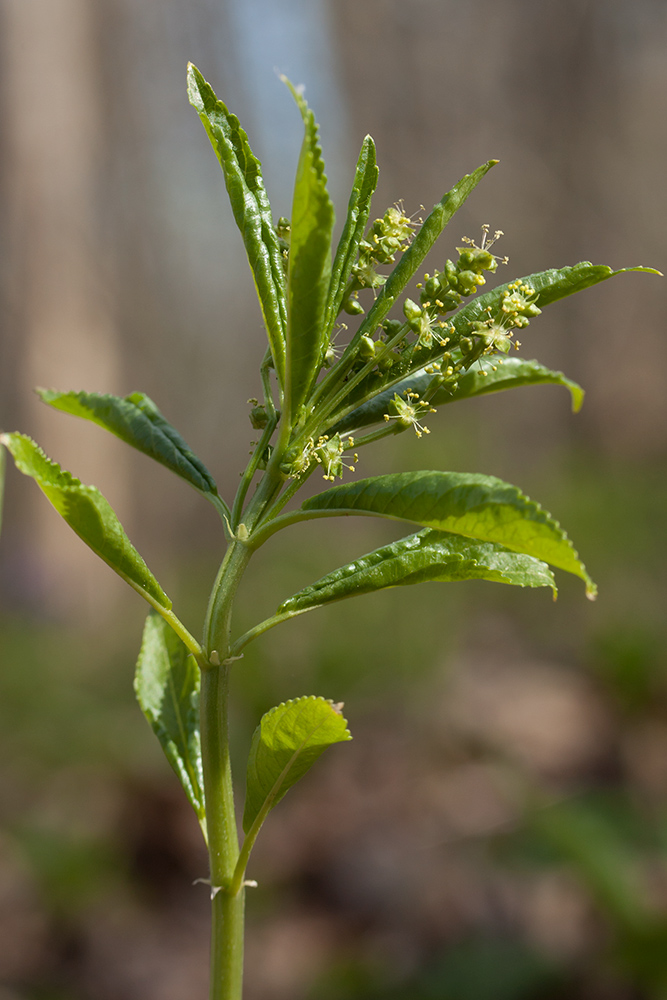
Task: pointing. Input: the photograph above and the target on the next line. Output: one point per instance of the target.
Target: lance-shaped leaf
(309, 264)
(489, 374)
(436, 556)
(550, 286)
(496, 374)
(477, 506)
(358, 210)
(166, 684)
(251, 208)
(136, 420)
(89, 514)
(285, 745)
(428, 233)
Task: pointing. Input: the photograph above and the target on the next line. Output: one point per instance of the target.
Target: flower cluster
(326, 451)
(444, 290)
(426, 324)
(517, 307)
(386, 237)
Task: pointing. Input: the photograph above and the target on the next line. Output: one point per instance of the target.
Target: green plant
(322, 403)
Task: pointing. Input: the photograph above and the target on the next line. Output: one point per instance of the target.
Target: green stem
(223, 844)
(376, 435)
(222, 509)
(262, 627)
(227, 903)
(251, 469)
(282, 500)
(227, 945)
(293, 517)
(218, 615)
(327, 406)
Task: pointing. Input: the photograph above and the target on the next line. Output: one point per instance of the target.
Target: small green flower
(329, 454)
(408, 411)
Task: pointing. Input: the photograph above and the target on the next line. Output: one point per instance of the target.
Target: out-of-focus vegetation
(498, 828)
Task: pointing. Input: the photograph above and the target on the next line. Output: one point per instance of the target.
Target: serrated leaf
(436, 556)
(481, 507)
(496, 374)
(88, 513)
(285, 745)
(136, 420)
(424, 240)
(358, 210)
(551, 285)
(166, 684)
(309, 264)
(490, 374)
(251, 208)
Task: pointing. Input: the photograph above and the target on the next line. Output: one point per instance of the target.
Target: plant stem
(227, 946)
(227, 909)
(227, 904)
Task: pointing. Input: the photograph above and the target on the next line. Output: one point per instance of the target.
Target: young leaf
(429, 555)
(166, 684)
(490, 374)
(550, 286)
(285, 745)
(251, 208)
(136, 420)
(495, 374)
(428, 233)
(309, 264)
(358, 210)
(481, 507)
(89, 514)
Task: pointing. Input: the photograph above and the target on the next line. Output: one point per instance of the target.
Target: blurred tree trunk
(60, 332)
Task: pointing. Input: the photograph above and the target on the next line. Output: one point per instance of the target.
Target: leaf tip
(195, 81)
(297, 90)
(338, 707)
(591, 592)
(577, 399)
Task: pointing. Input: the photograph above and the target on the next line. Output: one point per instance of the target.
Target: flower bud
(353, 307)
(366, 348)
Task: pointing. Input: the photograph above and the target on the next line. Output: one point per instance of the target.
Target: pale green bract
(285, 745)
(166, 684)
(89, 514)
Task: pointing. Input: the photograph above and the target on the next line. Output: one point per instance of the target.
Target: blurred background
(498, 827)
